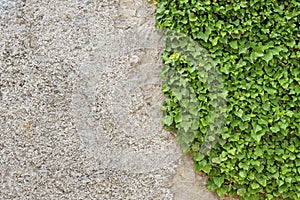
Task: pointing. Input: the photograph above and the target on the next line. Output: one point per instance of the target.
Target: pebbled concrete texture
(79, 104)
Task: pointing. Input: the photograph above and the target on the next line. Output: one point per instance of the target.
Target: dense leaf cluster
(254, 45)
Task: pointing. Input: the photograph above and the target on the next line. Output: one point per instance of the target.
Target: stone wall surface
(80, 104)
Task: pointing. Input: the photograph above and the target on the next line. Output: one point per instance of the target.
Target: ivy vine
(254, 150)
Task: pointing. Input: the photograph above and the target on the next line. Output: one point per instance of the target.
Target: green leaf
(269, 196)
(222, 190)
(261, 180)
(168, 120)
(283, 188)
(232, 151)
(198, 156)
(279, 151)
(216, 160)
(241, 192)
(258, 151)
(255, 186)
(244, 166)
(192, 17)
(234, 44)
(255, 162)
(218, 181)
(256, 128)
(186, 125)
(243, 126)
(259, 168)
(291, 148)
(243, 174)
(225, 68)
(246, 117)
(214, 41)
(207, 168)
(203, 36)
(239, 113)
(268, 56)
(275, 129)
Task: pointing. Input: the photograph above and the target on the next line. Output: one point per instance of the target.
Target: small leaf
(192, 17)
(203, 36)
(258, 151)
(168, 120)
(241, 192)
(216, 160)
(279, 151)
(243, 126)
(256, 128)
(275, 129)
(291, 148)
(244, 166)
(239, 113)
(243, 174)
(283, 188)
(246, 118)
(232, 151)
(206, 168)
(268, 56)
(218, 180)
(255, 185)
(214, 41)
(234, 44)
(186, 125)
(222, 190)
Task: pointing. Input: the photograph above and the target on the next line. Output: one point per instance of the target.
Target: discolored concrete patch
(79, 106)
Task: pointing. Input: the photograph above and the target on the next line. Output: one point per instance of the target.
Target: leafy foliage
(255, 46)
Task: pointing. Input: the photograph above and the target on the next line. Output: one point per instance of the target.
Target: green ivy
(242, 55)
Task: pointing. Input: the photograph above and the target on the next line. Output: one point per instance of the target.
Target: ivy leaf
(241, 192)
(222, 190)
(255, 185)
(214, 41)
(256, 128)
(259, 168)
(246, 118)
(256, 137)
(243, 126)
(203, 36)
(243, 174)
(186, 125)
(216, 160)
(225, 68)
(234, 44)
(239, 113)
(268, 56)
(218, 180)
(275, 129)
(261, 180)
(244, 166)
(184, 147)
(204, 166)
(168, 120)
(258, 151)
(283, 188)
(291, 148)
(232, 151)
(192, 17)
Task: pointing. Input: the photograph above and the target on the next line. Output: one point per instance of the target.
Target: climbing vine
(254, 45)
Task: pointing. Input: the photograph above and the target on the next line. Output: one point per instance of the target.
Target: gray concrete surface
(79, 105)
